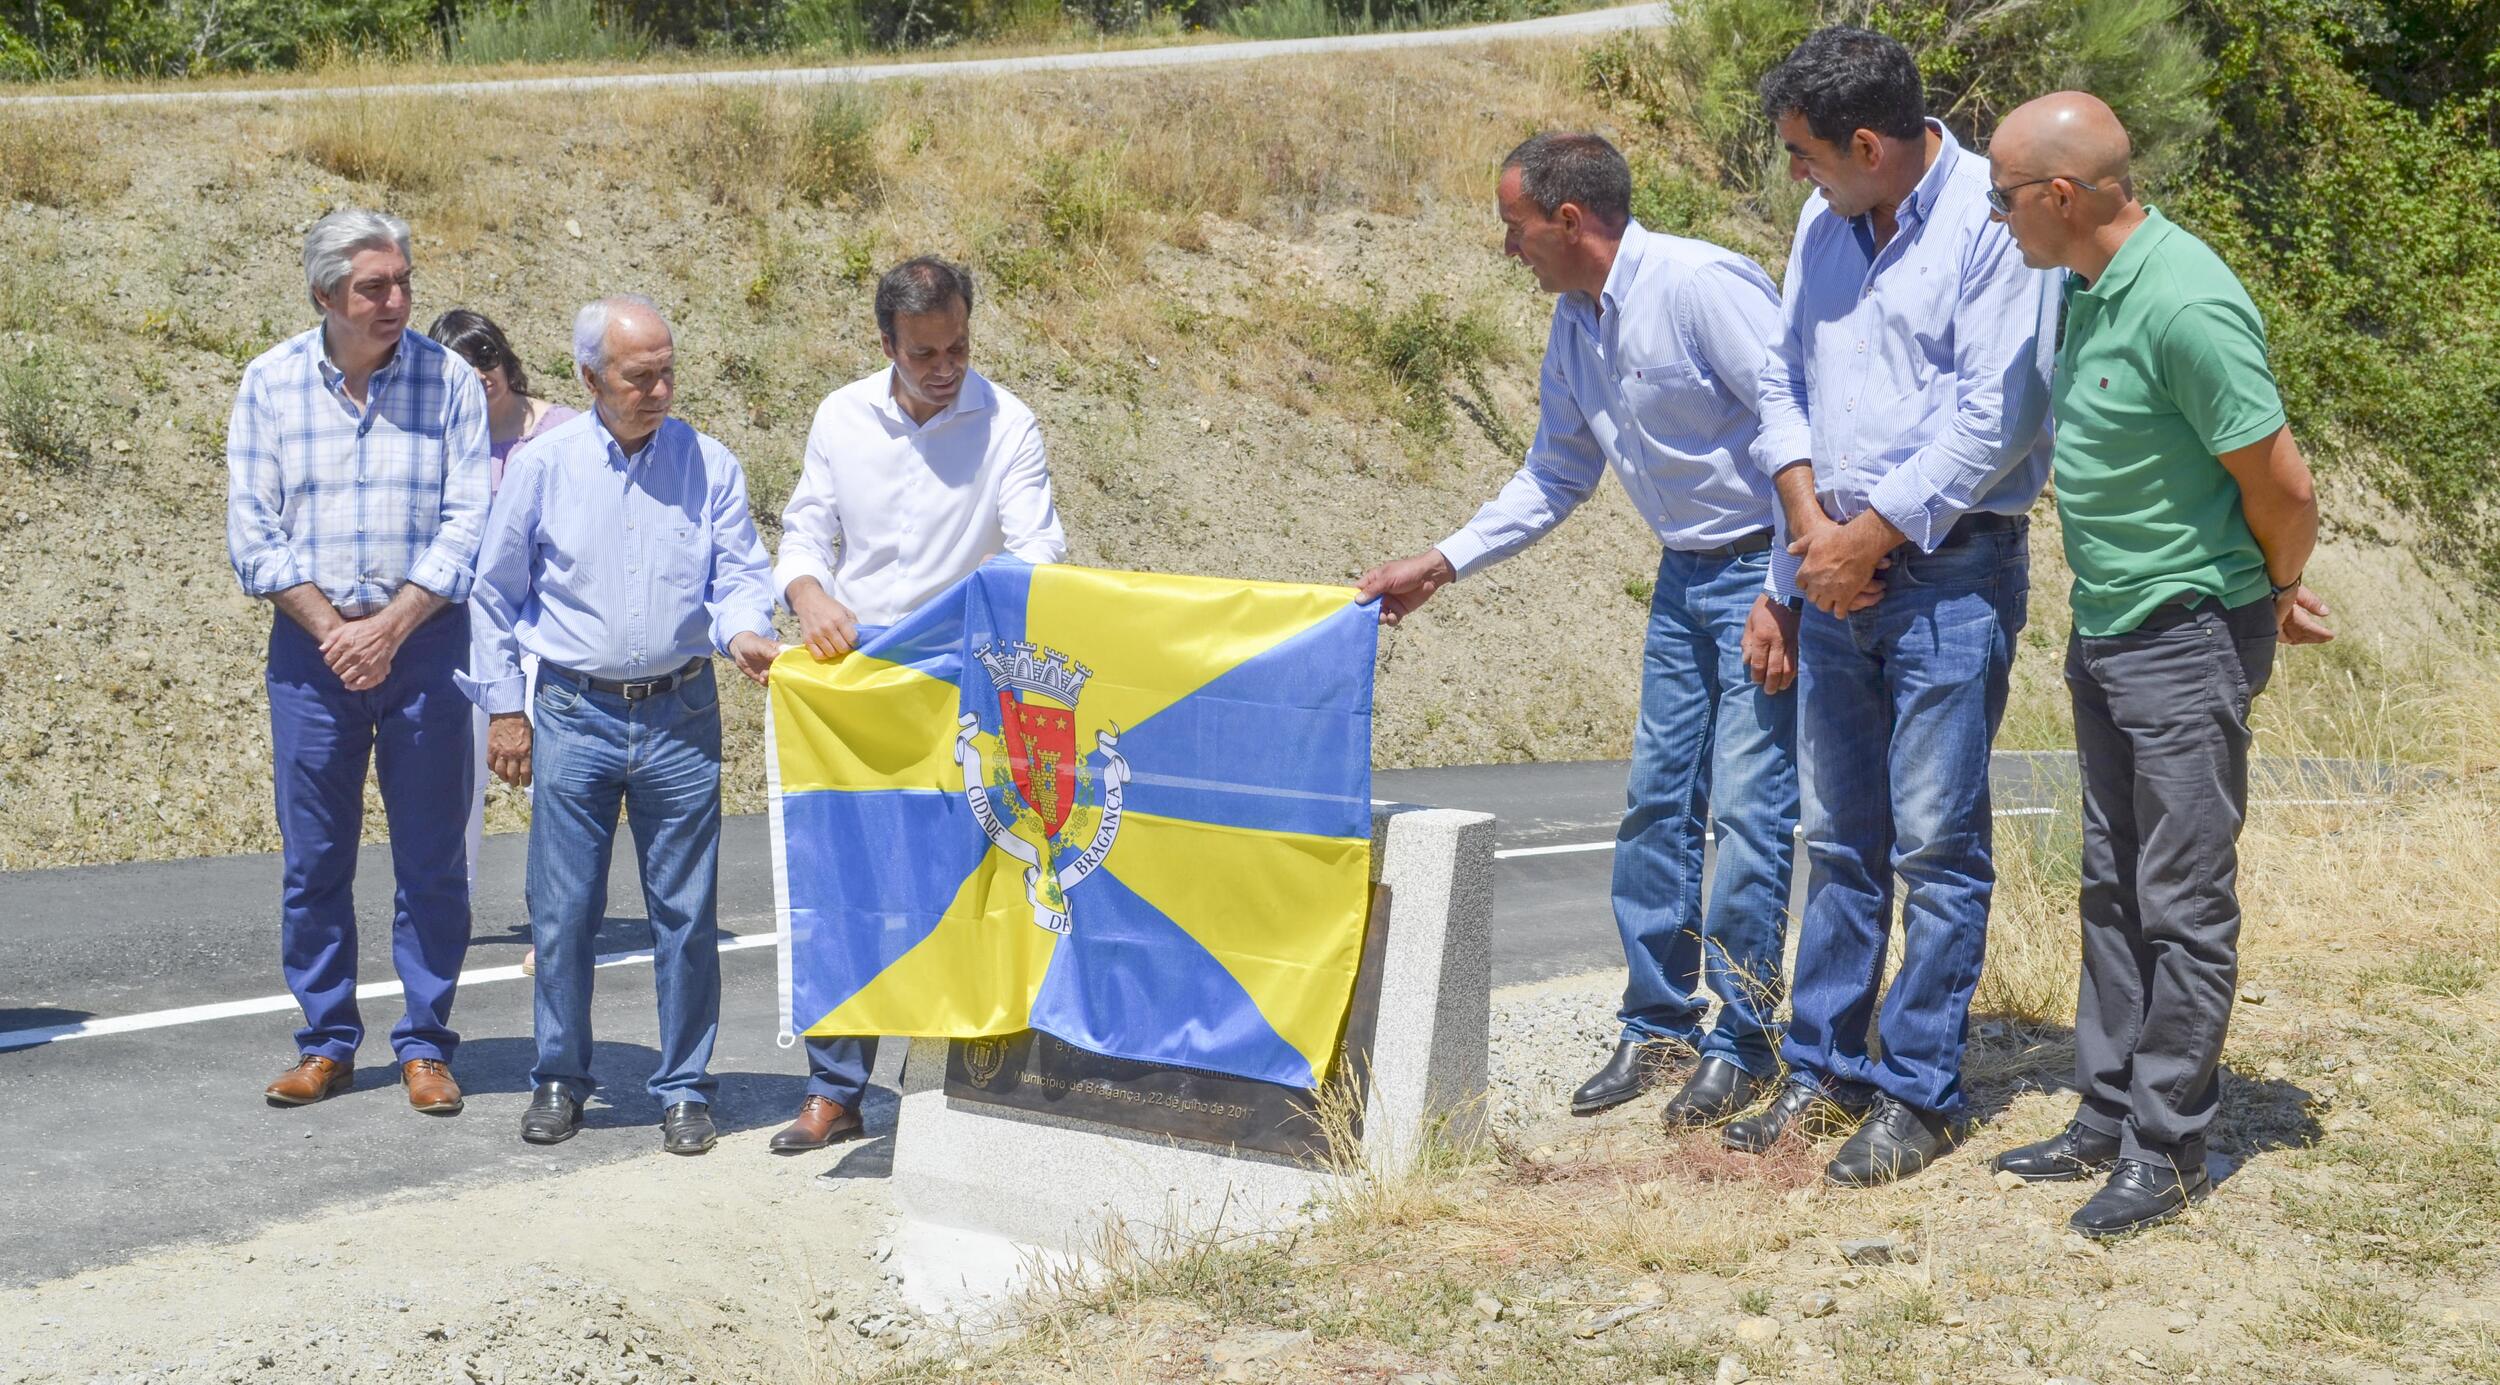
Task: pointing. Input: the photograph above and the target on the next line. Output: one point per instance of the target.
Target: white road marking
(1517, 851)
(274, 1004)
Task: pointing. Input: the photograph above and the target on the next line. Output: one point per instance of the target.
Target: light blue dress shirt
(1915, 378)
(614, 566)
(356, 501)
(1659, 388)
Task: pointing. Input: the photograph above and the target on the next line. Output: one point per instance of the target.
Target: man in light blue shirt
(1905, 404)
(620, 552)
(1652, 372)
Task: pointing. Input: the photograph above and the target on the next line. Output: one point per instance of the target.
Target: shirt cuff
(1904, 498)
(273, 571)
(494, 696)
(795, 565)
(1775, 450)
(442, 575)
(1463, 551)
(731, 625)
(1781, 580)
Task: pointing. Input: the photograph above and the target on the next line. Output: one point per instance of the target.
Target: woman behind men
(513, 417)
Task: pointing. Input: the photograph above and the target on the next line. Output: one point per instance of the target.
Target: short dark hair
(481, 343)
(1844, 80)
(1558, 166)
(920, 285)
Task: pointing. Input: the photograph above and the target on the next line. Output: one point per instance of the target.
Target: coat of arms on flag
(1131, 811)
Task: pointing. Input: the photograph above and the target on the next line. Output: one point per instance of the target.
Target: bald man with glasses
(2188, 517)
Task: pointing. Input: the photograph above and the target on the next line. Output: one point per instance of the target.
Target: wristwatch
(2284, 589)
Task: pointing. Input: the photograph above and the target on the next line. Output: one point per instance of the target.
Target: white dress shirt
(889, 512)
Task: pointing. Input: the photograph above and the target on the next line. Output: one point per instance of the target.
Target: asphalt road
(118, 1143)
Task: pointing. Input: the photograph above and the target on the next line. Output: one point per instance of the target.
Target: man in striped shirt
(356, 494)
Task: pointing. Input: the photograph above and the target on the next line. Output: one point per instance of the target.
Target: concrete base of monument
(997, 1201)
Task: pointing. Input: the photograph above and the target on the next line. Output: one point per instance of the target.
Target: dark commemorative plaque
(1032, 1071)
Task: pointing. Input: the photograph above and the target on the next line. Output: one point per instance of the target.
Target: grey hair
(590, 327)
(330, 246)
(1557, 167)
(921, 285)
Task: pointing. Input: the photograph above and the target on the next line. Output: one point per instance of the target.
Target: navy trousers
(838, 1068)
(413, 731)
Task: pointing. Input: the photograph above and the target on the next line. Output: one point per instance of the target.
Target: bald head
(2066, 134)
(628, 360)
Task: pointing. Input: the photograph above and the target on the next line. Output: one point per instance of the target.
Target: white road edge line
(273, 1004)
(378, 990)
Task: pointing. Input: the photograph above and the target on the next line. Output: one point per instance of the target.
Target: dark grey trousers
(2161, 731)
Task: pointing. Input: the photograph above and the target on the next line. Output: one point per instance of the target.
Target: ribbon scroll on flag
(1130, 811)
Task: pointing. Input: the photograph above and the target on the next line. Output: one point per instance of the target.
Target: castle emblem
(1051, 779)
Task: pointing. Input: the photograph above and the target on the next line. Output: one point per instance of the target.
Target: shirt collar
(1619, 278)
(613, 450)
(331, 375)
(1931, 186)
(2132, 253)
(971, 399)
(1921, 203)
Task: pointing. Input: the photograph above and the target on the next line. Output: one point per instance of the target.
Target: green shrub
(36, 419)
(1082, 203)
(541, 31)
(2365, 231)
(751, 150)
(834, 154)
(2340, 157)
(1980, 59)
(1426, 358)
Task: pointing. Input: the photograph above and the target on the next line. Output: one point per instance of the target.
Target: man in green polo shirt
(2188, 516)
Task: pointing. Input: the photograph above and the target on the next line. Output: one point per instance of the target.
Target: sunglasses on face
(2001, 200)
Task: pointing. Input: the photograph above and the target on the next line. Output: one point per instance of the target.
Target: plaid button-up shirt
(356, 502)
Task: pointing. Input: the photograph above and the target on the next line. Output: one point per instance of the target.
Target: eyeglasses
(2001, 200)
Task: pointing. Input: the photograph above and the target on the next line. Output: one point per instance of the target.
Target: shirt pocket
(1670, 403)
(688, 563)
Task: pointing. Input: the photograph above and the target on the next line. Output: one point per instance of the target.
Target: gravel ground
(732, 1268)
(1547, 1039)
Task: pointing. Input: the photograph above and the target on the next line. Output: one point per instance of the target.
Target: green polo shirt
(2161, 369)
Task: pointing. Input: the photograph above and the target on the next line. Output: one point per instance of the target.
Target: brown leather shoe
(822, 1120)
(430, 1088)
(312, 1078)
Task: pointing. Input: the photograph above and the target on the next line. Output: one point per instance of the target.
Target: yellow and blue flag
(1131, 811)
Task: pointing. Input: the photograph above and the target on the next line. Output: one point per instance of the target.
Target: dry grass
(401, 144)
(52, 161)
(2352, 1242)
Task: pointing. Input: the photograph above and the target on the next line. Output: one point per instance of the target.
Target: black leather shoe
(2072, 1153)
(1897, 1140)
(1803, 1104)
(1717, 1090)
(1636, 1067)
(686, 1128)
(553, 1115)
(2140, 1195)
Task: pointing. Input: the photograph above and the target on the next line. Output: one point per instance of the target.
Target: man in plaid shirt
(356, 495)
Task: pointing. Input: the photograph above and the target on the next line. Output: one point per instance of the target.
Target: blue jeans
(1901, 707)
(1710, 744)
(660, 759)
(414, 731)
(838, 1069)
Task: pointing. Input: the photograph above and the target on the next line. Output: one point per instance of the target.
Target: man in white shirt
(914, 477)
